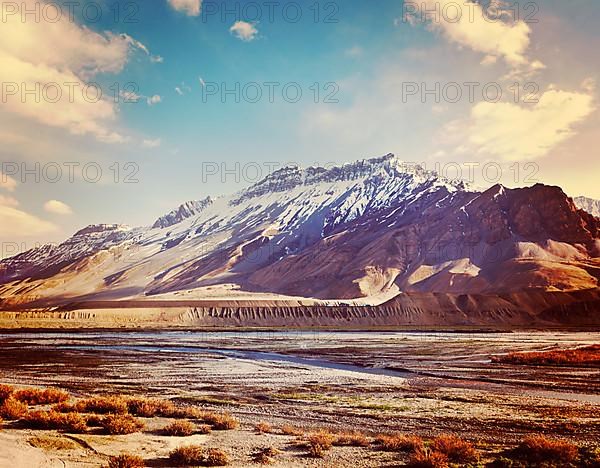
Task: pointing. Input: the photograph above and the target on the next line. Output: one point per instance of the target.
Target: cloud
(8, 201)
(19, 223)
(515, 132)
(189, 7)
(182, 89)
(355, 51)
(7, 182)
(244, 31)
(151, 143)
(466, 24)
(57, 207)
(54, 62)
(152, 100)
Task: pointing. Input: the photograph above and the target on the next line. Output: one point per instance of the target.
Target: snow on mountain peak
(184, 211)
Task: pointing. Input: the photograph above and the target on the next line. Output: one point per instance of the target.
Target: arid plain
(354, 395)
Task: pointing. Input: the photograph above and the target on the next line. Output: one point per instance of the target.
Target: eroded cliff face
(428, 310)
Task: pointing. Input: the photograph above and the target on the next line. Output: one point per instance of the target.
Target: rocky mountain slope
(364, 230)
(588, 204)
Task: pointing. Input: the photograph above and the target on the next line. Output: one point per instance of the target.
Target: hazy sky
(227, 91)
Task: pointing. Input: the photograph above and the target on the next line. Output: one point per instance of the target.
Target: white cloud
(355, 51)
(19, 223)
(8, 201)
(515, 132)
(189, 7)
(244, 30)
(7, 182)
(466, 24)
(151, 143)
(57, 207)
(152, 100)
(55, 60)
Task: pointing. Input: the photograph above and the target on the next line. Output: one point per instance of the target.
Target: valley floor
(423, 383)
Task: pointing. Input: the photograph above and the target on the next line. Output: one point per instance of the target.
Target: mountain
(588, 204)
(369, 229)
(185, 211)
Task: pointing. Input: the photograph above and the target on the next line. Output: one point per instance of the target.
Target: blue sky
(174, 52)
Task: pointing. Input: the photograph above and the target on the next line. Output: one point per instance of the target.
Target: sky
(118, 111)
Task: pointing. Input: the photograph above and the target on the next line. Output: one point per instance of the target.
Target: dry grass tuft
(585, 356)
(263, 428)
(319, 442)
(427, 458)
(537, 450)
(118, 424)
(182, 412)
(265, 456)
(180, 429)
(6, 391)
(456, 449)
(204, 429)
(216, 457)
(12, 409)
(93, 420)
(399, 442)
(38, 396)
(353, 439)
(194, 455)
(149, 407)
(70, 422)
(103, 405)
(288, 429)
(220, 421)
(126, 461)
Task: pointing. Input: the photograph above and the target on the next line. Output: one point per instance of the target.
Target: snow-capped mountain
(358, 230)
(185, 211)
(588, 204)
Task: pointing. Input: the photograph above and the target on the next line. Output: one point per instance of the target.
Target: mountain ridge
(367, 229)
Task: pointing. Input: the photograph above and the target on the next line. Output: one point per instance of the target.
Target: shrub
(185, 412)
(5, 391)
(193, 455)
(319, 442)
(583, 356)
(204, 429)
(179, 429)
(399, 442)
(220, 421)
(149, 408)
(456, 449)
(103, 405)
(13, 409)
(539, 450)
(118, 424)
(354, 439)
(288, 429)
(427, 458)
(65, 407)
(37, 396)
(126, 461)
(71, 422)
(93, 420)
(215, 457)
(263, 428)
(265, 456)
